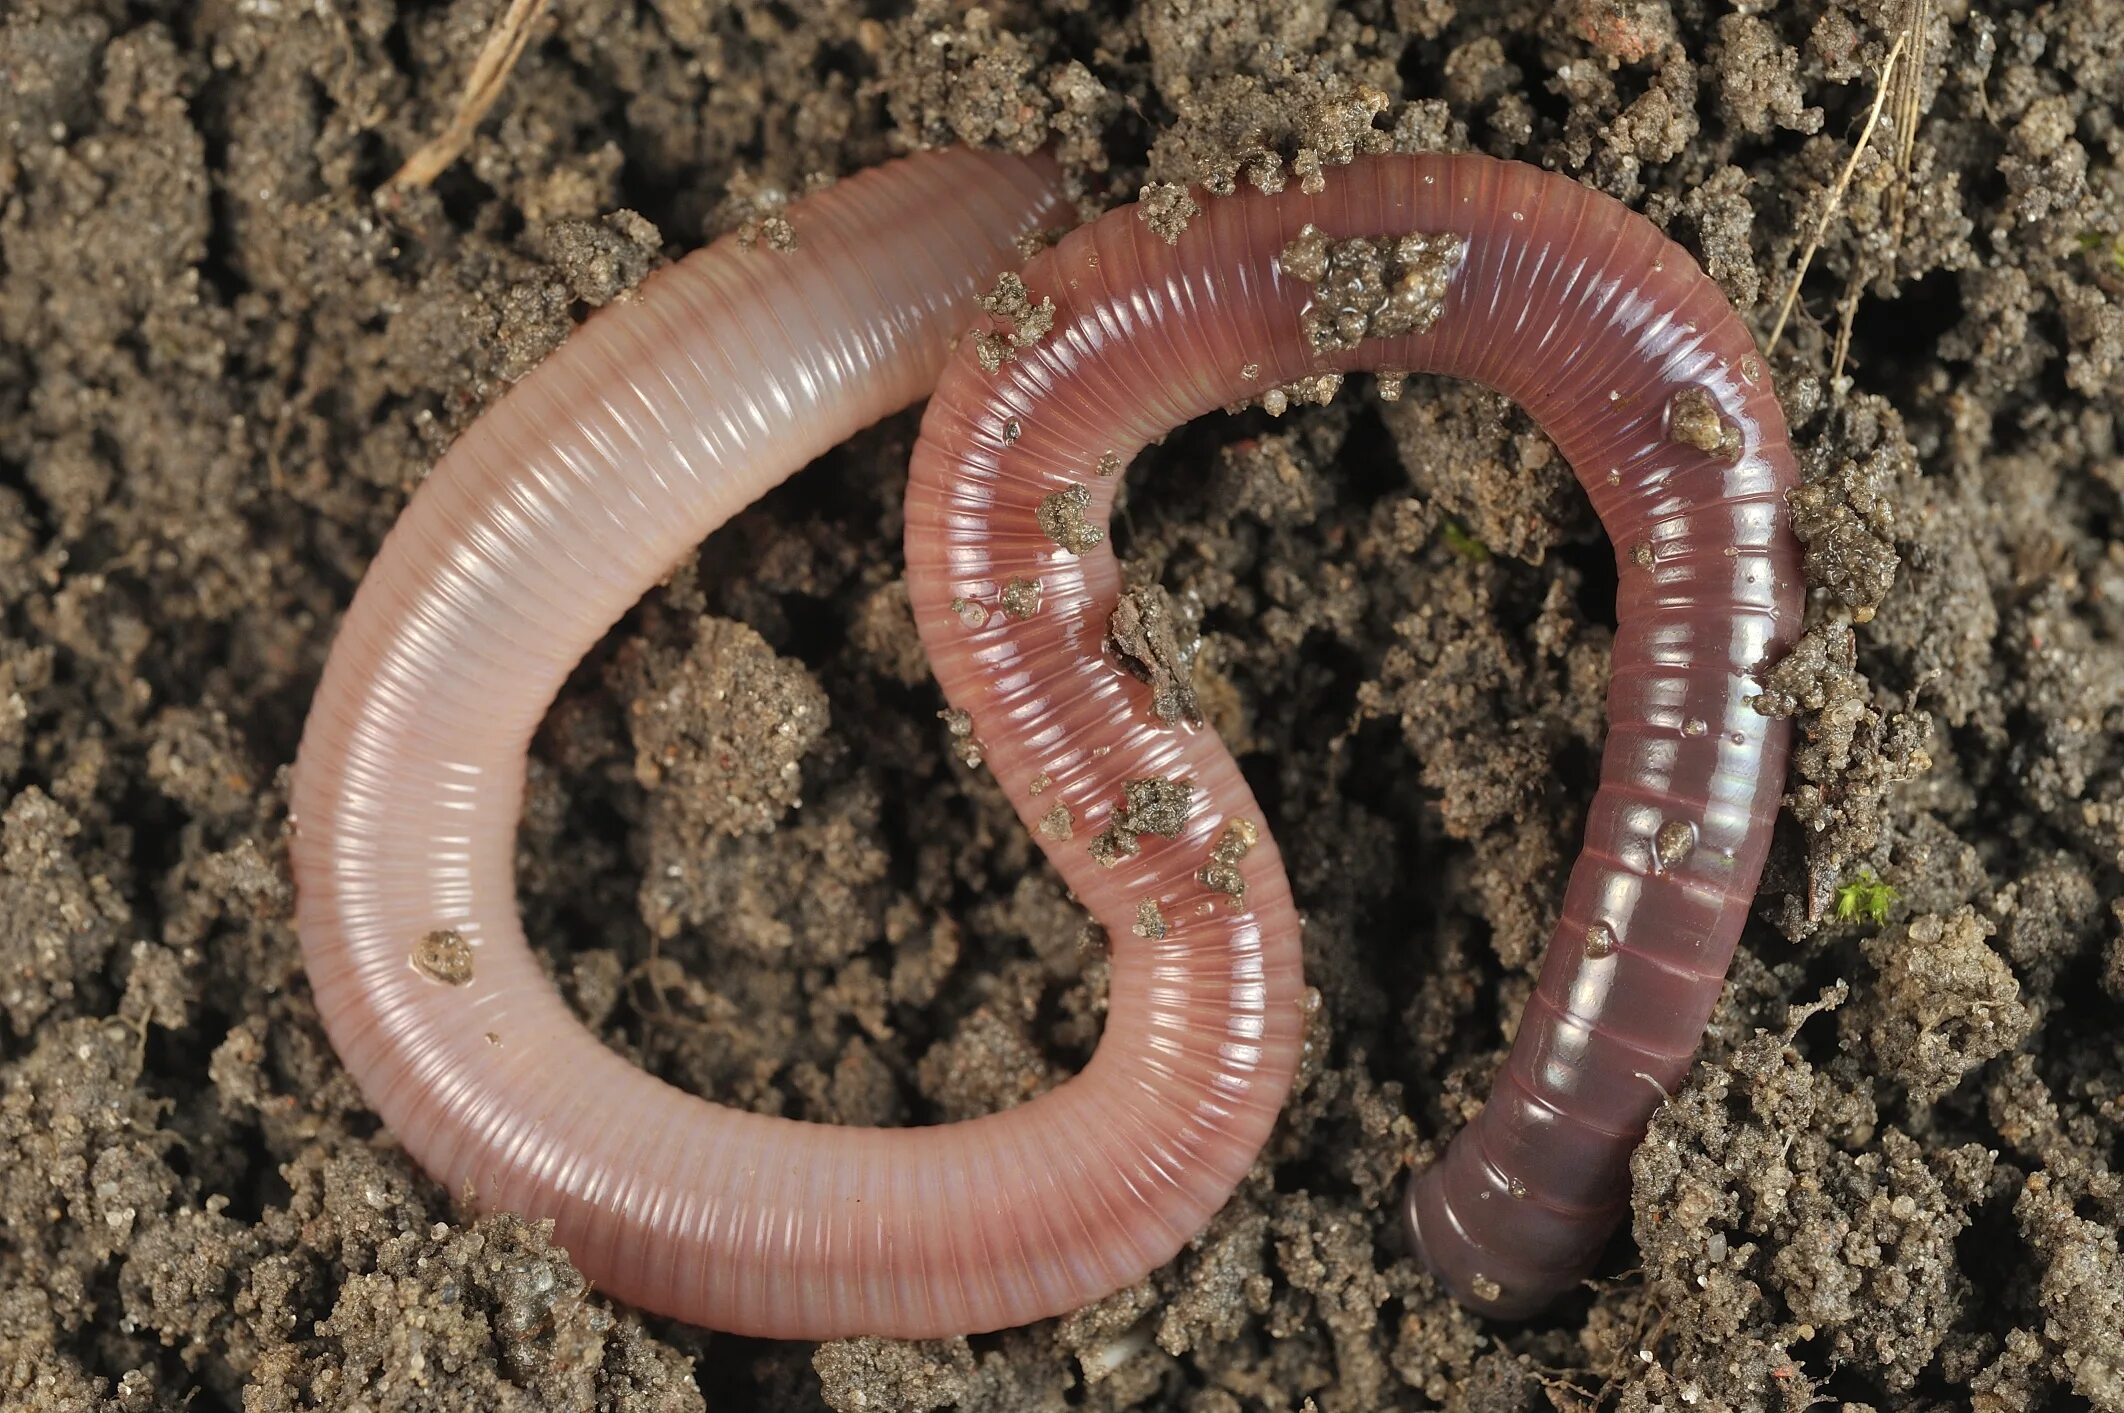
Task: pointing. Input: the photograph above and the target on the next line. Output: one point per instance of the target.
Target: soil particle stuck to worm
(1144, 633)
(1025, 322)
(1381, 287)
(1222, 873)
(1062, 520)
(1150, 806)
(1021, 598)
(444, 956)
(1693, 419)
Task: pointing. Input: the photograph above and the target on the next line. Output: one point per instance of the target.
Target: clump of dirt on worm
(225, 362)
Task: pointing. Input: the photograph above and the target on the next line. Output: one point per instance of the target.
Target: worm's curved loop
(1634, 364)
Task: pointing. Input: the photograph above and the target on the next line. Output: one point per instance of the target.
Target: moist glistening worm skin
(1634, 364)
(671, 411)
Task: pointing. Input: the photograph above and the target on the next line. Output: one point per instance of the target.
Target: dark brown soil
(223, 366)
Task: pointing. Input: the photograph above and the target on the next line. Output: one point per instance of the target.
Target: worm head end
(1482, 1281)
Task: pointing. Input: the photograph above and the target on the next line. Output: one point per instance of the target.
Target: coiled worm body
(1634, 364)
(666, 414)
(651, 425)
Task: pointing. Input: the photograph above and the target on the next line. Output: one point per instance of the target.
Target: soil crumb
(1154, 806)
(1062, 520)
(1367, 289)
(1024, 323)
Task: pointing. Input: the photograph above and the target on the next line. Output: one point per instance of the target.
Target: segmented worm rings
(669, 412)
(1634, 364)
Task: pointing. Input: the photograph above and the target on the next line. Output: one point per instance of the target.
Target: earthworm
(1634, 364)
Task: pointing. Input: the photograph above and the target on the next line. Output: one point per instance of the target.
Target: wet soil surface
(1892, 1182)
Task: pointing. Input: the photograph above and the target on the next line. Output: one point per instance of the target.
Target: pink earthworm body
(1634, 364)
(667, 413)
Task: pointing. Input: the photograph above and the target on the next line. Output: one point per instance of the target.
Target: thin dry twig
(1906, 95)
(1909, 93)
(1846, 316)
(490, 74)
(1836, 196)
(141, 1038)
